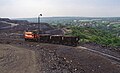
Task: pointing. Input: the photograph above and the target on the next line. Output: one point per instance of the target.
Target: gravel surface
(18, 56)
(31, 57)
(16, 60)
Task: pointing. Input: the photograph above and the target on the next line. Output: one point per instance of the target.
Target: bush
(95, 35)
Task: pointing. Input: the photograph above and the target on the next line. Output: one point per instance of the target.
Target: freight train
(48, 38)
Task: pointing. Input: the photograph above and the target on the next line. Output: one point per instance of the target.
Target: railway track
(116, 59)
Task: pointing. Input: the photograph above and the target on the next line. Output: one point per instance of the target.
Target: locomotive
(48, 38)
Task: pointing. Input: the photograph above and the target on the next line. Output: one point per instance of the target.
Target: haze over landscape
(53, 8)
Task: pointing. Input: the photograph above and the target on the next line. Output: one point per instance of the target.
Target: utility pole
(39, 25)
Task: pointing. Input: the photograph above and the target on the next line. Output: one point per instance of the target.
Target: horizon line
(64, 16)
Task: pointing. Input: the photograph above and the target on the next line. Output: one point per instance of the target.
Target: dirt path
(16, 60)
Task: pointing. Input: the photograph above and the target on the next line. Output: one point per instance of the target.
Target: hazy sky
(49, 8)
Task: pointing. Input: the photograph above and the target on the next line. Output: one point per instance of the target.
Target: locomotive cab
(31, 35)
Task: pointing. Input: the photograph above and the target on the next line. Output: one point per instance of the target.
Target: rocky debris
(11, 36)
(4, 19)
(14, 21)
(44, 26)
(49, 58)
(32, 57)
(54, 63)
(4, 25)
(12, 26)
(62, 59)
(16, 60)
(55, 32)
(21, 22)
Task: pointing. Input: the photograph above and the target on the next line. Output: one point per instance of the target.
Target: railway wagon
(70, 40)
(56, 39)
(44, 38)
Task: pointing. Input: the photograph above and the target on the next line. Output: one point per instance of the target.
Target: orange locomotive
(31, 35)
